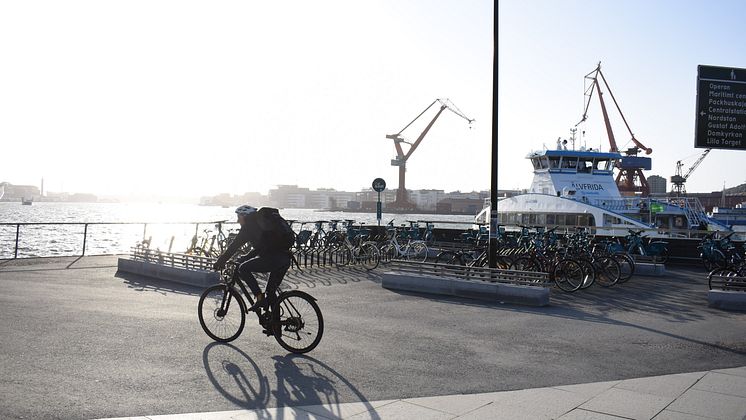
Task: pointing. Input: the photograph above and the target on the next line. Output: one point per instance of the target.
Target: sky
(194, 98)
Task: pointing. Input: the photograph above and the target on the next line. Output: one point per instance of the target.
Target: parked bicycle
(412, 250)
(294, 319)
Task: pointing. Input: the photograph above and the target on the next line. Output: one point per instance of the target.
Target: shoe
(260, 304)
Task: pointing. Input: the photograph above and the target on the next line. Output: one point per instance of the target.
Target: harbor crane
(630, 178)
(402, 201)
(679, 180)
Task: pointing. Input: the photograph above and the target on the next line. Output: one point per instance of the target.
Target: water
(127, 224)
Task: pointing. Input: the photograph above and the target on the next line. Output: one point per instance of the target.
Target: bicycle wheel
(524, 263)
(367, 255)
(608, 271)
(417, 251)
(626, 265)
(446, 257)
(387, 253)
(297, 322)
(218, 314)
(568, 275)
(589, 273)
(662, 258)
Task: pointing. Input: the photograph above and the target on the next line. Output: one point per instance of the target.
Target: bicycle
(362, 251)
(412, 250)
(294, 319)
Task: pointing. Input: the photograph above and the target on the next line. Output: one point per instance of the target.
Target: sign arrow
(702, 113)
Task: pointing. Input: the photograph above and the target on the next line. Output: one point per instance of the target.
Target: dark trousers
(274, 263)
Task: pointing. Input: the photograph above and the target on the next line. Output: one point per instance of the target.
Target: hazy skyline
(190, 98)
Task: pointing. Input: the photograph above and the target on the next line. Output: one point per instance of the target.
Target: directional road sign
(721, 108)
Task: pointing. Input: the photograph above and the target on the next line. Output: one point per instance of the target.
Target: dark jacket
(250, 233)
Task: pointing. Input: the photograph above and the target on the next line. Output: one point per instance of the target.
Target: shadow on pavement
(301, 381)
(149, 284)
(679, 297)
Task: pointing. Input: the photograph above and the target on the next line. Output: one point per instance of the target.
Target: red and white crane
(402, 201)
(630, 178)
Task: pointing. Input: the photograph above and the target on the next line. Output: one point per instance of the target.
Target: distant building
(426, 199)
(19, 192)
(657, 184)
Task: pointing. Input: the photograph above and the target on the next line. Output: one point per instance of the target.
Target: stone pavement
(715, 394)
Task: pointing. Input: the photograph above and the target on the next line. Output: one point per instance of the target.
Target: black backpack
(276, 231)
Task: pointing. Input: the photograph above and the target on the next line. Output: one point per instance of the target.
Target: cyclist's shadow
(301, 381)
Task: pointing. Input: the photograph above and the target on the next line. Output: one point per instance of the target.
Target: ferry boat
(576, 188)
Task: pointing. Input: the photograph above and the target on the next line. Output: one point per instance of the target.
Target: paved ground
(719, 394)
(79, 341)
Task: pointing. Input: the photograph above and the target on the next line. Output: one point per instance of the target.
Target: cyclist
(266, 256)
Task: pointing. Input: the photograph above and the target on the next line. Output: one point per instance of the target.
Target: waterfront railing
(57, 239)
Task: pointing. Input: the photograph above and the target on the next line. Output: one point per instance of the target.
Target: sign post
(721, 108)
(378, 186)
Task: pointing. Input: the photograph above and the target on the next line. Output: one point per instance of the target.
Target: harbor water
(114, 228)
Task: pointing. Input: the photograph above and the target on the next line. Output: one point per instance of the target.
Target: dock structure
(82, 340)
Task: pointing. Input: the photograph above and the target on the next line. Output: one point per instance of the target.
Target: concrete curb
(649, 269)
(199, 278)
(727, 299)
(495, 292)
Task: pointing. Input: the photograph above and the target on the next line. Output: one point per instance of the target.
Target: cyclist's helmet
(245, 210)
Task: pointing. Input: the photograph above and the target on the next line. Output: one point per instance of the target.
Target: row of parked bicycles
(720, 255)
(574, 261)
(343, 241)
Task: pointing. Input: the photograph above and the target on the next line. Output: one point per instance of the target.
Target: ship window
(560, 219)
(585, 165)
(569, 162)
(536, 163)
(583, 220)
(524, 219)
(554, 162)
(611, 220)
(532, 219)
(541, 219)
(591, 220)
(544, 162)
(550, 219)
(602, 165)
(571, 220)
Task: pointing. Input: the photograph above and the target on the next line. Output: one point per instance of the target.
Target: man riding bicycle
(270, 252)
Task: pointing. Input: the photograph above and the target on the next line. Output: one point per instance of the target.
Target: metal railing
(485, 274)
(59, 234)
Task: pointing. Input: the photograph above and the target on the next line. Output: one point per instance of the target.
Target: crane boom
(630, 178)
(402, 201)
(695, 164)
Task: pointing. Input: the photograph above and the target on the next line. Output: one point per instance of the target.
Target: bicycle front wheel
(368, 255)
(222, 313)
(297, 322)
(417, 251)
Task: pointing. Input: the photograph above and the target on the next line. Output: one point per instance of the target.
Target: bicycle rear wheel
(297, 322)
(626, 264)
(568, 275)
(608, 271)
(222, 313)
